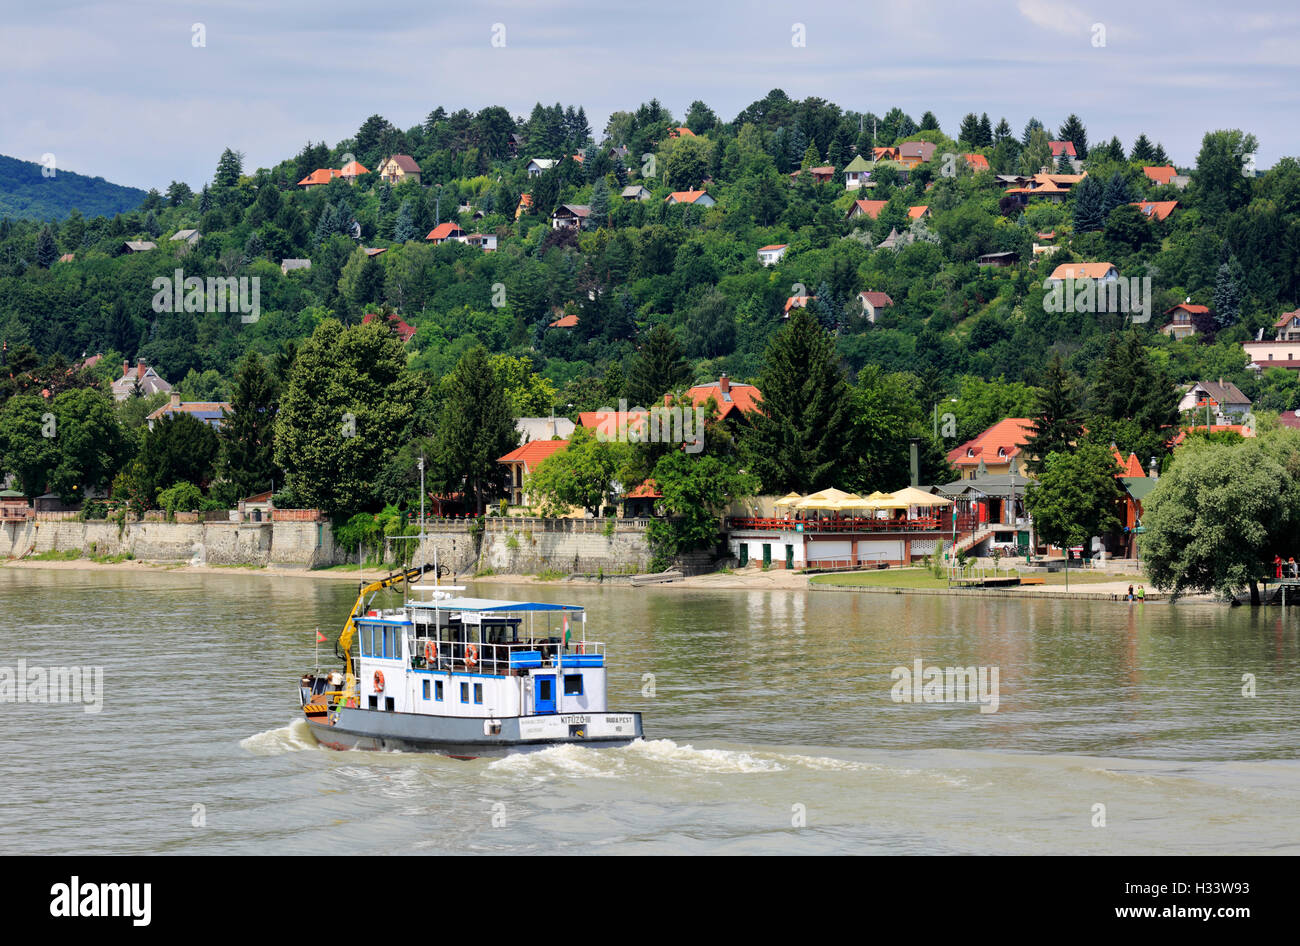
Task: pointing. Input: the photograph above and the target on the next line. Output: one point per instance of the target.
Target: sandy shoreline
(749, 580)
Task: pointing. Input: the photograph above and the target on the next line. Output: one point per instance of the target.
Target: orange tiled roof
(533, 453)
(353, 169)
(395, 322)
(1188, 307)
(797, 302)
(1161, 175)
(1130, 467)
(1159, 209)
(871, 208)
(1005, 435)
(740, 397)
(445, 231)
(1081, 271)
(685, 197)
(681, 131)
(916, 213)
(1285, 319)
(319, 176)
(977, 161)
(647, 490)
(565, 321)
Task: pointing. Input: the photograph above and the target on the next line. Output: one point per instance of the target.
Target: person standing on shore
(1130, 593)
(1142, 593)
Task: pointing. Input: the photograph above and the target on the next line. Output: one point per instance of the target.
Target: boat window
(388, 703)
(478, 693)
(426, 689)
(374, 702)
(464, 692)
(437, 690)
(573, 684)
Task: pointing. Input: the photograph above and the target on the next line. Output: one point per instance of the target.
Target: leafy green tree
(801, 437)
(582, 474)
(1220, 513)
(229, 168)
(1218, 184)
(1037, 153)
(1076, 496)
(696, 493)
(476, 428)
(178, 447)
(28, 445)
(349, 405)
(529, 394)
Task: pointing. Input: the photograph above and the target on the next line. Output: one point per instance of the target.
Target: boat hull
(471, 737)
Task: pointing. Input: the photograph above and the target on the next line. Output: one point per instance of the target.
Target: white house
(537, 165)
(771, 255)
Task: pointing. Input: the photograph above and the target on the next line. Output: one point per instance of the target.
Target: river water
(771, 728)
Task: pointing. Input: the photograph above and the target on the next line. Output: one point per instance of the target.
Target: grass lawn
(921, 578)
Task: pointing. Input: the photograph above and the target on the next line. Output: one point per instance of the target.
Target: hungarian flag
(566, 630)
(320, 638)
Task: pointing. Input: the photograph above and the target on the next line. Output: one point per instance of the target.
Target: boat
(464, 677)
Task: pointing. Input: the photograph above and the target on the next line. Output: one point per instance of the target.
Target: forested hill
(653, 254)
(27, 194)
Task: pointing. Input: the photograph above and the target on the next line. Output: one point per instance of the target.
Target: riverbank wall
(499, 545)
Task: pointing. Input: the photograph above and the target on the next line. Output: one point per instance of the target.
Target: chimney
(126, 368)
(724, 385)
(139, 370)
(175, 400)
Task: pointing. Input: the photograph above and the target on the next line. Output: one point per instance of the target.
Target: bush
(181, 497)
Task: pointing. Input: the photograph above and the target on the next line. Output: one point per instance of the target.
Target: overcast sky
(120, 90)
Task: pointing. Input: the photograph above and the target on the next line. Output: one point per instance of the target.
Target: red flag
(320, 638)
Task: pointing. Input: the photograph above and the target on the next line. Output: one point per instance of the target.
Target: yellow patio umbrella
(787, 500)
(852, 501)
(911, 496)
(826, 499)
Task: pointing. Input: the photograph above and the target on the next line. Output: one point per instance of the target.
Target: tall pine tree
(1056, 427)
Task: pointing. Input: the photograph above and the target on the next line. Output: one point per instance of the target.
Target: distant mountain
(25, 193)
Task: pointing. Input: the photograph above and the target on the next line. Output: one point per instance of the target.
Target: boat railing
(502, 659)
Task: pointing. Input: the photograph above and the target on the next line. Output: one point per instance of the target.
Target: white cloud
(1054, 15)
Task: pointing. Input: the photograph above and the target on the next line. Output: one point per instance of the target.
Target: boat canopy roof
(489, 604)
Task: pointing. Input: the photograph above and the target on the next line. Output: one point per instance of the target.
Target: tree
(1229, 288)
(404, 228)
(1218, 184)
(582, 474)
(1089, 198)
(1142, 150)
(658, 367)
(28, 445)
(179, 447)
(247, 434)
(700, 118)
(529, 394)
(970, 129)
(1056, 427)
(929, 122)
(984, 138)
(800, 438)
(1076, 496)
(229, 167)
(600, 202)
(1220, 513)
(1118, 193)
(1037, 154)
(696, 492)
(1074, 131)
(349, 405)
(476, 428)
(47, 250)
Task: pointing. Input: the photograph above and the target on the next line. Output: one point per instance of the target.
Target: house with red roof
(698, 198)
(681, 131)
(1103, 271)
(395, 323)
(873, 303)
(918, 213)
(570, 217)
(444, 232)
(318, 177)
(771, 254)
(352, 170)
(525, 204)
(1160, 175)
(796, 302)
(522, 461)
(565, 321)
(211, 413)
(1156, 209)
(640, 503)
(1182, 320)
(1244, 430)
(866, 208)
(1288, 326)
(912, 153)
(977, 162)
(997, 450)
(733, 399)
(820, 175)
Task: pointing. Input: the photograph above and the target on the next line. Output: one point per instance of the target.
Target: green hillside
(26, 194)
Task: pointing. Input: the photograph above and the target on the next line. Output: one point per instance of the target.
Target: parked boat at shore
(464, 677)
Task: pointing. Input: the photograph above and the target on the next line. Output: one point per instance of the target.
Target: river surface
(771, 729)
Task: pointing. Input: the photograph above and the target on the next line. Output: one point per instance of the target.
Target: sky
(125, 91)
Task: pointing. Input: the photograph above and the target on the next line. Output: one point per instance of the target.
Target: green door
(789, 556)
(744, 554)
(767, 555)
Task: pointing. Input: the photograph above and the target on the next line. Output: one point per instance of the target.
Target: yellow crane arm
(344, 643)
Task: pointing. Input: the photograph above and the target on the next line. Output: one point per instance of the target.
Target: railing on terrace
(544, 524)
(965, 523)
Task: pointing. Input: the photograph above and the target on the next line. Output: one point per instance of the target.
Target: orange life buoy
(582, 647)
(471, 655)
(379, 681)
(431, 651)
